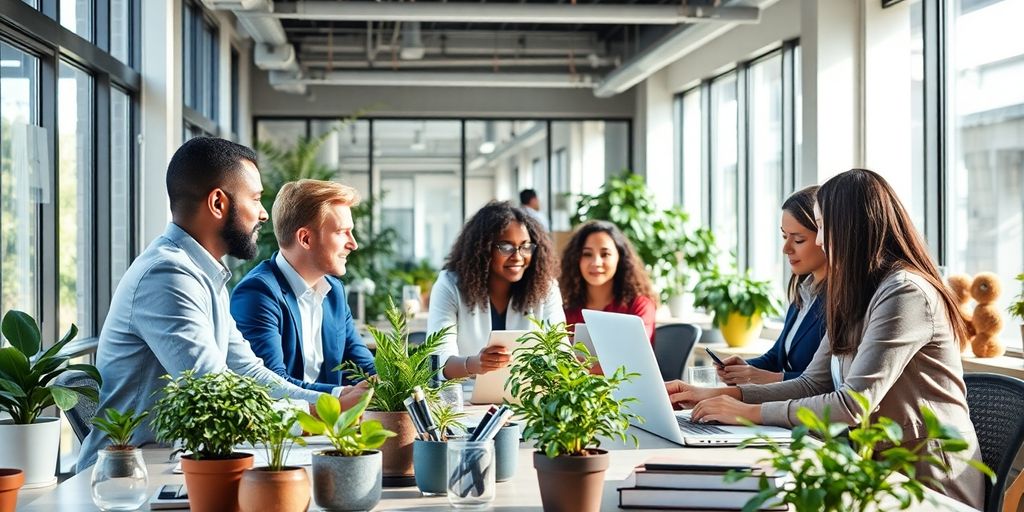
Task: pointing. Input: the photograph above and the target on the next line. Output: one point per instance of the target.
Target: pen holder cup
(506, 451)
(471, 470)
(430, 461)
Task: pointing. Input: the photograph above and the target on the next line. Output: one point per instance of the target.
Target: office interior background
(724, 117)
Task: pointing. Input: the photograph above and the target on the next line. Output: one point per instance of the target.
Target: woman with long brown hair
(499, 273)
(894, 334)
(601, 270)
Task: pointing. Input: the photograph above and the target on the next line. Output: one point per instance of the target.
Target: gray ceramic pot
(346, 483)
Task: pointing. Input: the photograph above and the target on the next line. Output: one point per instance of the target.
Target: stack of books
(685, 485)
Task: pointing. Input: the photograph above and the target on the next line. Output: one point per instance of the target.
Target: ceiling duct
(438, 79)
(275, 58)
(412, 42)
(272, 51)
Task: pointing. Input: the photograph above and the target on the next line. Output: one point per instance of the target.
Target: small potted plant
(566, 410)
(349, 476)
(276, 486)
(400, 367)
(430, 458)
(1016, 309)
(11, 480)
(28, 386)
(119, 478)
(739, 303)
(209, 415)
(867, 468)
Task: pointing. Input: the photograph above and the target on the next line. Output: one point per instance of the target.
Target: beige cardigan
(908, 357)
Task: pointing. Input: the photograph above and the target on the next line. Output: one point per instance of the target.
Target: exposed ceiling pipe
(666, 50)
(604, 14)
(593, 62)
(438, 79)
(273, 52)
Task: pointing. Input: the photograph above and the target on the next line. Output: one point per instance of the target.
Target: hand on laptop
(489, 359)
(726, 410)
(681, 393)
(737, 371)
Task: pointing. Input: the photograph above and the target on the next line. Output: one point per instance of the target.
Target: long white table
(519, 494)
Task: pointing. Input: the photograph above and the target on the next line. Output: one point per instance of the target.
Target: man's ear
(218, 203)
(304, 237)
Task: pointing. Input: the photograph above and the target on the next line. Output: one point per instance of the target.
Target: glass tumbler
(120, 480)
(471, 474)
(411, 299)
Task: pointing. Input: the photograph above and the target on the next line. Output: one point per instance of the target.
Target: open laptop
(620, 340)
(489, 388)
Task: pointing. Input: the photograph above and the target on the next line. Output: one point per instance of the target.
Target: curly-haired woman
(601, 270)
(500, 271)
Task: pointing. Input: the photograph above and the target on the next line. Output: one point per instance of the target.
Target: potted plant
(1017, 306)
(27, 375)
(671, 251)
(119, 477)
(11, 479)
(859, 456)
(349, 476)
(566, 410)
(276, 486)
(209, 415)
(400, 368)
(738, 302)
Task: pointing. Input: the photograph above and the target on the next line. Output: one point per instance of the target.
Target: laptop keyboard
(691, 427)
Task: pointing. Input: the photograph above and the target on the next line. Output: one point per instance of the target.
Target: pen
(420, 402)
(417, 421)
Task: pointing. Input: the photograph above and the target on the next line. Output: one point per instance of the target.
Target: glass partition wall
(428, 175)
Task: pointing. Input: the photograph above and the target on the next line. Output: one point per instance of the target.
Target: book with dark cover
(687, 499)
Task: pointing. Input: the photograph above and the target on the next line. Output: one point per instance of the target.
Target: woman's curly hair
(470, 258)
(630, 280)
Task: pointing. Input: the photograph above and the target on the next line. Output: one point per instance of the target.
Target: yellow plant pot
(740, 330)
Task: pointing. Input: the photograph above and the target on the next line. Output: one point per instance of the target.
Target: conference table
(518, 494)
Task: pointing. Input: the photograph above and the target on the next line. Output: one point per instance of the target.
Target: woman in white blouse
(501, 271)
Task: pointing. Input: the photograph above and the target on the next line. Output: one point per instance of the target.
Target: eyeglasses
(507, 249)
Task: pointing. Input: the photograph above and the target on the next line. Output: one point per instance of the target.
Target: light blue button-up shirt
(171, 313)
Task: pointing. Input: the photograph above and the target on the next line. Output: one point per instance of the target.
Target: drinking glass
(471, 474)
(704, 376)
(411, 299)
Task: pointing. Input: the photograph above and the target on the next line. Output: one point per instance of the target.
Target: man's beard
(240, 241)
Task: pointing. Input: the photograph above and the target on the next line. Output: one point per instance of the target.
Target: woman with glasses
(499, 273)
(601, 270)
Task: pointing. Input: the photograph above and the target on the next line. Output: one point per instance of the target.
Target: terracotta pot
(571, 483)
(262, 489)
(396, 451)
(213, 483)
(10, 481)
(740, 330)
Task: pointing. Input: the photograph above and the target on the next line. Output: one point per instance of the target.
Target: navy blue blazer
(805, 343)
(266, 311)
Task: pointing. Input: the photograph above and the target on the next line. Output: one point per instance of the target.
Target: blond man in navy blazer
(292, 307)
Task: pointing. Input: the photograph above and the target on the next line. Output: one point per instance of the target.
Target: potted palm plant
(277, 486)
(739, 303)
(400, 367)
(566, 410)
(349, 476)
(868, 456)
(1016, 309)
(30, 441)
(119, 478)
(209, 415)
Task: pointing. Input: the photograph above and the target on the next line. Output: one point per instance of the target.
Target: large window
(120, 184)
(199, 70)
(725, 215)
(692, 153)
(764, 153)
(985, 185)
(584, 155)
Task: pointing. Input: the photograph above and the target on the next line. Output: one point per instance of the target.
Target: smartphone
(715, 358)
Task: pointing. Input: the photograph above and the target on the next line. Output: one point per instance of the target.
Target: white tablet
(489, 388)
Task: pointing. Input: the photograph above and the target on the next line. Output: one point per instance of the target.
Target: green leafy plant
(1016, 308)
(348, 436)
(725, 293)
(671, 251)
(565, 408)
(119, 426)
(27, 372)
(447, 419)
(834, 474)
(212, 413)
(278, 437)
(400, 366)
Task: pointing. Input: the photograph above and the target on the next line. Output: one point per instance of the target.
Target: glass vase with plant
(868, 459)
(566, 410)
(119, 477)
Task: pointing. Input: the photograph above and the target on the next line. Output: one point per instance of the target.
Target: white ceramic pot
(31, 448)
(678, 305)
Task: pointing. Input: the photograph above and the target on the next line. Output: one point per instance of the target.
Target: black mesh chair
(996, 402)
(80, 416)
(673, 344)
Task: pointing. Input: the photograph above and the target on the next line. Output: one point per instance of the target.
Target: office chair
(673, 344)
(417, 337)
(995, 402)
(80, 416)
